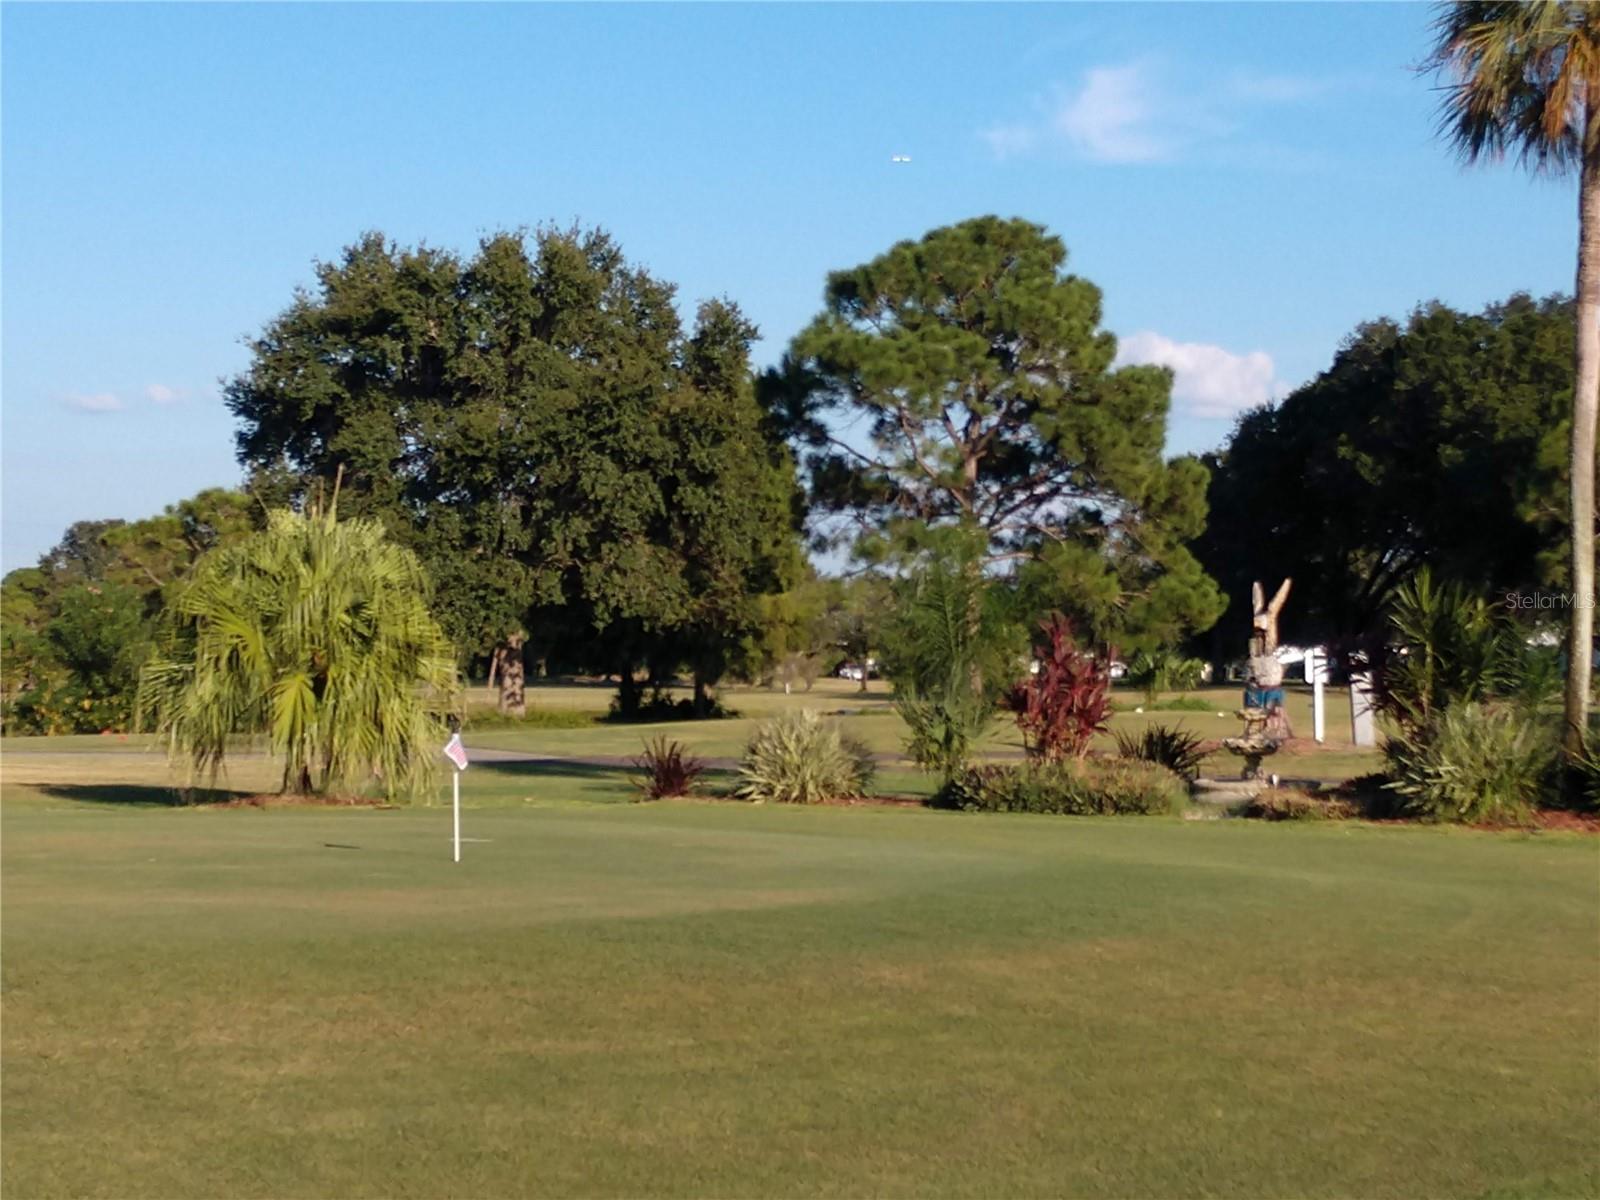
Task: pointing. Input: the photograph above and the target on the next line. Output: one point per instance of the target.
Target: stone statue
(1266, 723)
(1264, 675)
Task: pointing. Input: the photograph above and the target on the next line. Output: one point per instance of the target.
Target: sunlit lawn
(871, 717)
(716, 999)
(130, 760)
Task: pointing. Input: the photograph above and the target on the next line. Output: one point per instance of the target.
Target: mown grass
(870, 718)
(715, 999)
(873, 720)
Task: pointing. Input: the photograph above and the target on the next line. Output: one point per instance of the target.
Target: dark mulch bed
(1569, 822)
(276, 800)
(876, 802)
(834, 802)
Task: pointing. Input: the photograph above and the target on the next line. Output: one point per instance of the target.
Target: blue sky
(1245, 183)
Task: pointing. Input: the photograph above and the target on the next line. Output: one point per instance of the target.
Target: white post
(1318, 711)
(1362, 732)
(455, 790)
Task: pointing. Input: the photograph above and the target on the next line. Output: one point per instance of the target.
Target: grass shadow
(592, 781)
(555, 767)
(139, 795)
(561, 778)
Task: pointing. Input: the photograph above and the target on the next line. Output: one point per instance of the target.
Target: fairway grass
(89, 761)
(713, 999)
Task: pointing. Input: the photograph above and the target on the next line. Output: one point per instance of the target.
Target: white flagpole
(1318, 707)
(455, 790)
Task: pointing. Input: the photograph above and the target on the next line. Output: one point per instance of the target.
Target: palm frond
(1516, 77)
(316, 634)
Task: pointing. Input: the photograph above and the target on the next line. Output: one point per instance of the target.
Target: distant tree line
(1436, 442)
(594, 487)
(76, 628)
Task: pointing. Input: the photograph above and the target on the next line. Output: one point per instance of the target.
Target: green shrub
(1449, 646)
(1086, 788)
(1164, 670)
(1181, 704)
(80, 672)
(70, 705)
(941, 733)
(659, 706)
(1288, 804)
(1586, 767)
(1369, 796)
(799, 758)
(1472, 763)
(950, 646)
(1169, 746)
(862, 759)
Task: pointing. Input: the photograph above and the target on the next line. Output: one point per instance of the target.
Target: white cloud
(1008, 141)
(93, 402)
(1116, 116)
(160, 393)
(1145, 111)
(1208, 381)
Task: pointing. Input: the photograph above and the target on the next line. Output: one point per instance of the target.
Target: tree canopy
(964, 379)
(1440, 441)
(536, 422)
(75, 629)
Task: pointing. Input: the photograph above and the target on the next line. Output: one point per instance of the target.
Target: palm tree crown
(1521, 77)
(317, 634)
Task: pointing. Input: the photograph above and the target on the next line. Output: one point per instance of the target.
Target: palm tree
(1525, 78)
(315, 633)
(952, 651)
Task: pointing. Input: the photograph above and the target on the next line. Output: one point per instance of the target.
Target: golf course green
(718, 999)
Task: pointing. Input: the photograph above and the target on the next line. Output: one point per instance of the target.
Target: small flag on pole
(456, 752)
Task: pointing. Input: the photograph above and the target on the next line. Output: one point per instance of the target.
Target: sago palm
(315, 633)
(1524, 78)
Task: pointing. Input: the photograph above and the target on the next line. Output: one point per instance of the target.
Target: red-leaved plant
(669, 769)
(1067, 701)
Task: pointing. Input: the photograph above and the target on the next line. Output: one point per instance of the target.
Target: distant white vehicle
(1117, 669)
(900, 158)
(851, 671)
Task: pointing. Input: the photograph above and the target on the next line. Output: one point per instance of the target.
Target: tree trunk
(627, 692)
(1586, 393)
(974, 578)
(512, 700)
(702, 695)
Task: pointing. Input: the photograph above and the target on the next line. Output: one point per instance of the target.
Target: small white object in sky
(899, 158)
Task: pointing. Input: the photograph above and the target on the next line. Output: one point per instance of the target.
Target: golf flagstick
(457, 754)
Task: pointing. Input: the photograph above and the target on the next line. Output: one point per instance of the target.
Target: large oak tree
(574, 467)
(1437, 442)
